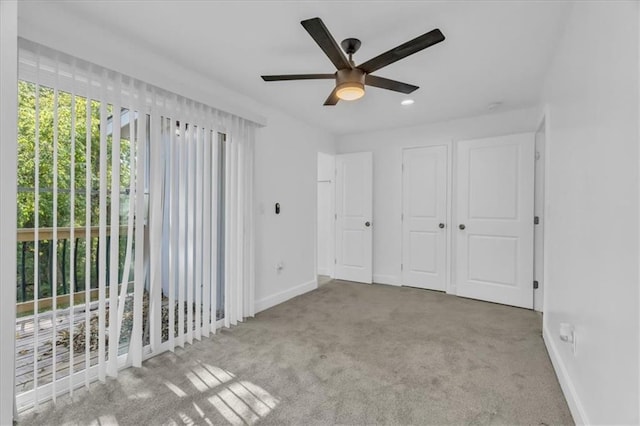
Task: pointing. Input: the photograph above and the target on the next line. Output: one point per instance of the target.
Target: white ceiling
(495, 51)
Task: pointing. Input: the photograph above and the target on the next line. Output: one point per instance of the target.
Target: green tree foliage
(49, 125)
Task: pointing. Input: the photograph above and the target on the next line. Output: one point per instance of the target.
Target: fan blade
(385, 83)
(332, 99)
(298, 77)
(402, 51)
(317, 30)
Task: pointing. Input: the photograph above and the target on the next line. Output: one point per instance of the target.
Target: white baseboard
(283, 296)
(386, 279)
(570, 394)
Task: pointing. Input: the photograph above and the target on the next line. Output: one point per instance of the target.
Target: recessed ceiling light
(406, 102)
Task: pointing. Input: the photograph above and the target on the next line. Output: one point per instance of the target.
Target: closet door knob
(367, 224)
(441, 226)
(461, 226)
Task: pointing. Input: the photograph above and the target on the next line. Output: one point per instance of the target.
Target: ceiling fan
(351, 79)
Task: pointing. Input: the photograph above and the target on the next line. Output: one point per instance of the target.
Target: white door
(495, 220)
(424, 212)
(354, 205)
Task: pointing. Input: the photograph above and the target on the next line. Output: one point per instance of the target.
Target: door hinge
(402, 217)
(403, 167)
(401, 266)
(336, 216)
(536, 220)
(335, 261)
(535, 285)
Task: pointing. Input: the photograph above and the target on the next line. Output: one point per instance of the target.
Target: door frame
(541, 263)
(545, 118)
(449, 288)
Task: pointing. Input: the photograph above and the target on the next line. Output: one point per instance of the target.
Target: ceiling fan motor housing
(349, 84)
(349, 77)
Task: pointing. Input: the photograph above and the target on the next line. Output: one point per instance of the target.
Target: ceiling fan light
(350, 91)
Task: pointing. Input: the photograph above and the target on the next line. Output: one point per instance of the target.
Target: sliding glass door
(135, 223)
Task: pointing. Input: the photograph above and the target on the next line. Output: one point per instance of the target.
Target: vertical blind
(135, 228)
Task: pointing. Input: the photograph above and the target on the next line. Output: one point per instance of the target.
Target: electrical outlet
(568, 335)
(566, 332)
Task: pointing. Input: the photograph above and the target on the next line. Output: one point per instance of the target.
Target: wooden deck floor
(35, 350)
(37, 359)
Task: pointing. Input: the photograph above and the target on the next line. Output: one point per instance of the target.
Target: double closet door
(472, 227)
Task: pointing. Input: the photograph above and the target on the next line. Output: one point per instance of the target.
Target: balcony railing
(82, 247)
(35, 334)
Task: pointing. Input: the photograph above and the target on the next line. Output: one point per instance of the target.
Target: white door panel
(495, 206)
(354, 205)
(424, 198)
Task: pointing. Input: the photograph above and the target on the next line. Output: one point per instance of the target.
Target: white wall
(8, 162)
(325, 232)
(387, 173)
(592, 220)
(286, 172)
(286, 149)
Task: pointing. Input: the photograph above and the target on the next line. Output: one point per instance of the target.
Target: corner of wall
(573, 400)
(281, 297)
(8, 164)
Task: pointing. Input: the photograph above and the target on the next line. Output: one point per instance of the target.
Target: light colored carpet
(343, 354)
(323, 279)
